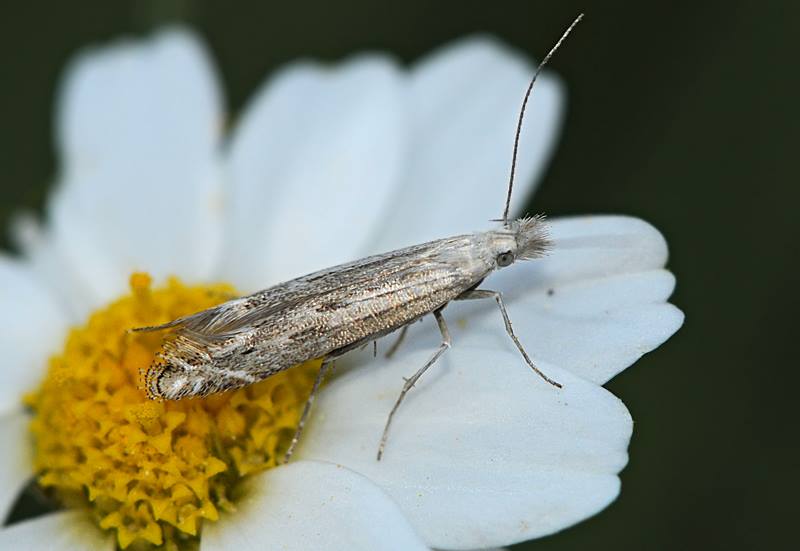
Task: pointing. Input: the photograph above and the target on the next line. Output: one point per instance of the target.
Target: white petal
(15, 461)
(482, 452)
(138, 133)
(587, 247)
(50, 265)
(69, 531)
(32, 327)
(313, 163)
(594, 328)
(594, 305)
(310, 505)
(465, 101)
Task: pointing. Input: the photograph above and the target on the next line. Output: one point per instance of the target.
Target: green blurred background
(684, 115)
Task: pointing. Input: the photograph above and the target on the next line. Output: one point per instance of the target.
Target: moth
(330, 312)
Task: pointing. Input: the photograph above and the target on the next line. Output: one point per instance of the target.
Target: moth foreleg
(307, 409)
(482, 293)
(410, 382)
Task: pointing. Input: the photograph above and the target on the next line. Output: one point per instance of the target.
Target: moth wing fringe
(212, 324)
(161, 327)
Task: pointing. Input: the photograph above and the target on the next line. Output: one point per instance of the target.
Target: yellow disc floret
(153, 471)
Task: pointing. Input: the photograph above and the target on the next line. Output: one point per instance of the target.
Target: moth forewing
(323, 314)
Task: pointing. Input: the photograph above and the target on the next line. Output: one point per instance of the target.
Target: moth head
(522, 239)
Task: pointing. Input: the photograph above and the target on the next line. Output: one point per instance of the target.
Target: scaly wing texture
(328, 289)
(321, 314)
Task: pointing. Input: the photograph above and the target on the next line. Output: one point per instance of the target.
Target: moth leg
(396, 344)
(410, 382)
(476, 294)
(307, 409)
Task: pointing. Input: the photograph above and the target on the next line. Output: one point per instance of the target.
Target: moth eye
(505, 259)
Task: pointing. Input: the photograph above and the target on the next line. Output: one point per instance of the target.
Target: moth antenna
(522, 113)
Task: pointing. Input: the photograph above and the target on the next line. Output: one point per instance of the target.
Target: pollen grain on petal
(153, 471)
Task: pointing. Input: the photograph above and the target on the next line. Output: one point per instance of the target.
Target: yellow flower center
(153, 471)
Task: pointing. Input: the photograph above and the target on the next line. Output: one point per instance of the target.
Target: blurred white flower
(330, 163)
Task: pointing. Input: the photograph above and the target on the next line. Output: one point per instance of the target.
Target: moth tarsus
(330, 312)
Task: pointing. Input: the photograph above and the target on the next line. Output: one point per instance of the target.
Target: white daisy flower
(327, 164)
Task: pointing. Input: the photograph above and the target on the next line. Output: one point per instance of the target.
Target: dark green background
(684, 115)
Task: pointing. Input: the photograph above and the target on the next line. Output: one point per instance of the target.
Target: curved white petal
(68, 531)
(587, 247)
(313, 163)
(15, 461)
(139, 127)
(50, 266)
(465, 100)
(593, 306)
(31, 328)
(483, 452)
(580, 329)
(311, 505)
(594, 328)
